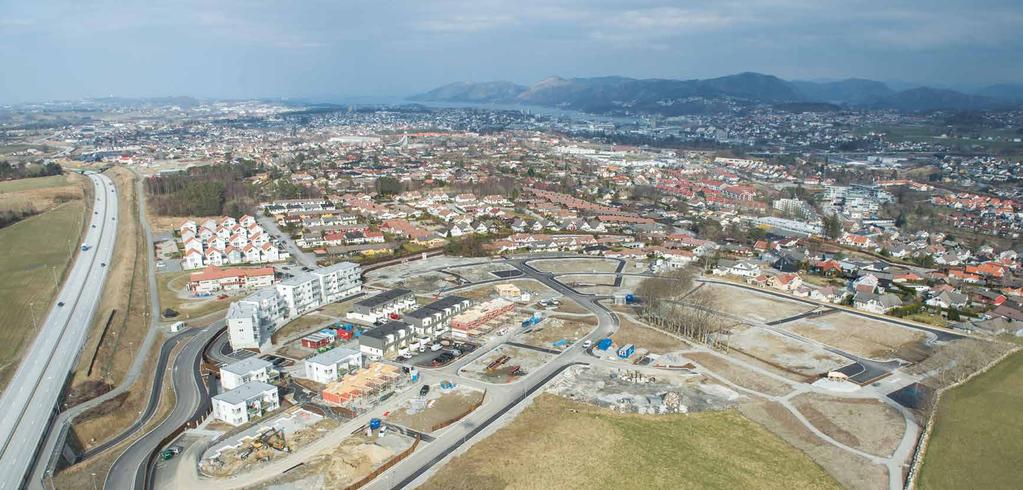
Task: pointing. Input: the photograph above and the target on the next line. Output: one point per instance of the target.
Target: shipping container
(626, 351)
(604, 344)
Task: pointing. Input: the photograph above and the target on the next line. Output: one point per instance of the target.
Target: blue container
(627, 351)
(526, 323)
(604, 344)
(374, 424)
(561, 343)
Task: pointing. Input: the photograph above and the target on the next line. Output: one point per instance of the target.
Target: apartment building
(330, 366)
(247, 402)
(434, 319)
(214, 279)
(253, 320)
(388, 340)
(381, 305)
(252, 369)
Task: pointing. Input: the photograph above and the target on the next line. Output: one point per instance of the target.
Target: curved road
(131, 467)
(30, 399)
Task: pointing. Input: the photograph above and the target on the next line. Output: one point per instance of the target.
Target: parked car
(435, 347)
(424, 390)
(587, 344)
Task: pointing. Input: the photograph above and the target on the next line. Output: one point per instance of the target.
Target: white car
(587, 344)
(435, 347)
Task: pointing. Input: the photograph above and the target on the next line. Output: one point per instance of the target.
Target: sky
(70, 49)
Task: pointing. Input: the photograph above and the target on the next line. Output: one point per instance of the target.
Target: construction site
(642, 391)
(506, 364)
(263, 442)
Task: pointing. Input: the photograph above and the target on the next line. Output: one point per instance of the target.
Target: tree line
(669, 302)
(203, 191)
(9, 171)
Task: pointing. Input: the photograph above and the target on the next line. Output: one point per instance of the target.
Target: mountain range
(675, 97)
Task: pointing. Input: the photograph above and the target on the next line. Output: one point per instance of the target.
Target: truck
(85, 247)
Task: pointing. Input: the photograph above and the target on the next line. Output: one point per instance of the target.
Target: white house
(252, 369)
(330, 366)
(247, 402)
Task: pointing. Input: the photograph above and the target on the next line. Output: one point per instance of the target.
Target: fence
(386, 466)
(921, 446)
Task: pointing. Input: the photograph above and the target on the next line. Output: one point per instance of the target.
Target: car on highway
(60, 303)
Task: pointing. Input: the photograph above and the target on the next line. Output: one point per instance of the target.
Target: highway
(30, 400)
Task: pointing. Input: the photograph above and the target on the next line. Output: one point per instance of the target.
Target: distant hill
(929, 99)
(675, 97)
(473, 92)
(1012, 92)
(851, 91)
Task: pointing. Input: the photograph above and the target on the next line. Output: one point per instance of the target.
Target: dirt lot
(851, 471)
(420, 276)
(526, 359)
(354, 459)
(480, 272)
(534, 287)
(553, 329)
(789, 354)
(633, 390)
(441, 408)
(633, 332)
(739, 375)
(748, 304)
(569, 444)
(865, 424)
(569, 266)
(868, 338)
(587, 279)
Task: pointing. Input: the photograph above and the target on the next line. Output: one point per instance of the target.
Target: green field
(977, 441)
(34, 251)
(560, 443)
(33, 183)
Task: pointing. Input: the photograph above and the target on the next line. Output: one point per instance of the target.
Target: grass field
(169, 283)
(35, 251)
(559, 443)
(977, 441)
(33, 183)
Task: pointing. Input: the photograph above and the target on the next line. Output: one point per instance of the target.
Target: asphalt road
(31, 398)
(191, 398)
(61, 425)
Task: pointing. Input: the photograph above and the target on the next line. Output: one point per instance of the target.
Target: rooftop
(245, 392)
(247, 366)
